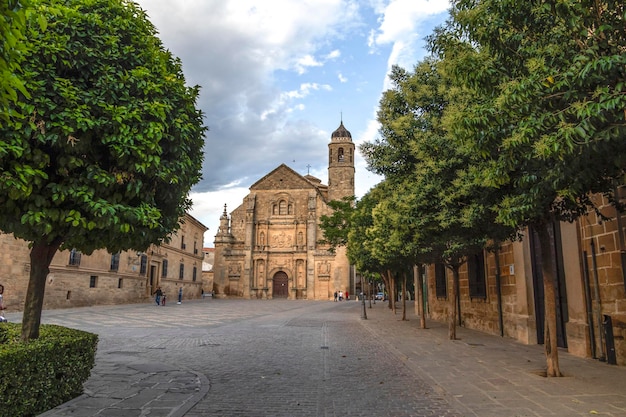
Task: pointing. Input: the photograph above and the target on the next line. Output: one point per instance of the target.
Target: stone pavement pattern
(309, 358)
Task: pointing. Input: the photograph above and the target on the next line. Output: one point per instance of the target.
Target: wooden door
(281, 285)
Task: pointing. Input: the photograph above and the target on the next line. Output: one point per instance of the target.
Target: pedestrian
(340, 295)
(335, 296)
(347, 295)
(2, 307)
(180, 295)
(157, 296)
(163, 299)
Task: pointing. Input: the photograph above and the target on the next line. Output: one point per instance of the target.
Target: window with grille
(181, 272)
(476, 275)
(441, 288)
(144, 265)
(164, 272)
(93, 281)
(195, 271)
(115, 261)
(74, 257)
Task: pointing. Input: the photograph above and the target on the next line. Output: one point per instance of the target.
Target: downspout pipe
(596, 283)
(592, 336)
(620, 236)
(499, 292)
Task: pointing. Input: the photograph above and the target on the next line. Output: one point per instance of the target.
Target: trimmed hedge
(43, 373)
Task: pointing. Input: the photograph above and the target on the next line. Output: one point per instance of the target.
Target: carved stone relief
(281, 240)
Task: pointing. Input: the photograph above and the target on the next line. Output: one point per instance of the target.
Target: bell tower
(340, 164)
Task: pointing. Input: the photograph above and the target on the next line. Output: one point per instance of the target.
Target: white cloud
(400, 27)
(209, 206)
(333, 54)
(306, 61)
(274, 79)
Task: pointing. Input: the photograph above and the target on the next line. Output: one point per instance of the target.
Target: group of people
(159, 296)
(339, 295)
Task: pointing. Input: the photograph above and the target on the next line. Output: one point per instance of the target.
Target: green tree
(337, 225)
(385, 241)
(112, 143)
(12, 28)
(436, 213)
(545, 109)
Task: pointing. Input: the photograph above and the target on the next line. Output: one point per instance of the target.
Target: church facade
(269, 246)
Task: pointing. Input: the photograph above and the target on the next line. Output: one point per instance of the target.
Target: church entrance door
(280, 287)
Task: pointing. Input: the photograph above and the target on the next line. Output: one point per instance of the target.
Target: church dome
(341, 132)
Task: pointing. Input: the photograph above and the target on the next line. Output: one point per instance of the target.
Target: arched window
(340, 154)
(282, 207)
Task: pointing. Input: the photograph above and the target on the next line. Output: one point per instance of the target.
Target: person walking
(2, 307)
(157, 296)
(335, 296)
(180, 295)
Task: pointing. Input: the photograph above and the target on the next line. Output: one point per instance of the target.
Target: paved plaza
(263, 358)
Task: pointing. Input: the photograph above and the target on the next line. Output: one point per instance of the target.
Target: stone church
(269, 246)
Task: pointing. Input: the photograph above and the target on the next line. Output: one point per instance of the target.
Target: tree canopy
(542, 105)
(545, 100)
(12, 27)
(110, 143)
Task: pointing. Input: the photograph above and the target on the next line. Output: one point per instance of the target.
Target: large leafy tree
(112, 142)
(437, 214)
(545, 109)
(359, 248)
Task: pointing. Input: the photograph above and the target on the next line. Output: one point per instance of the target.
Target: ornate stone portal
(268, 246)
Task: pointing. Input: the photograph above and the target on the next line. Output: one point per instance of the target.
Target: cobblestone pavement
(311, 358)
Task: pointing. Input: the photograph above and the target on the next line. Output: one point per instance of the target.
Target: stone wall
(77, 280)
(603, 244)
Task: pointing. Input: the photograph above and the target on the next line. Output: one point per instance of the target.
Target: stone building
(502, 293)
(269, 246)
(77, 280)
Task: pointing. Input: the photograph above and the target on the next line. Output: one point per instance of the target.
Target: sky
(277, 77)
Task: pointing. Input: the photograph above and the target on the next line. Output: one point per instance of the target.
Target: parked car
(379, 296)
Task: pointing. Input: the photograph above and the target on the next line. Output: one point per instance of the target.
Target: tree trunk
(420, 306)
(420, 300)
(418, 290)
(452, 303)
(41, 255)
(545, 232)
(394, 292)
(403, 295)
(389, 290)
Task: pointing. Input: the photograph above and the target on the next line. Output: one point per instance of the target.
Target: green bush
(43, 373)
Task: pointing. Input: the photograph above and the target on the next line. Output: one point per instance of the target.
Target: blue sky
(277, 77)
